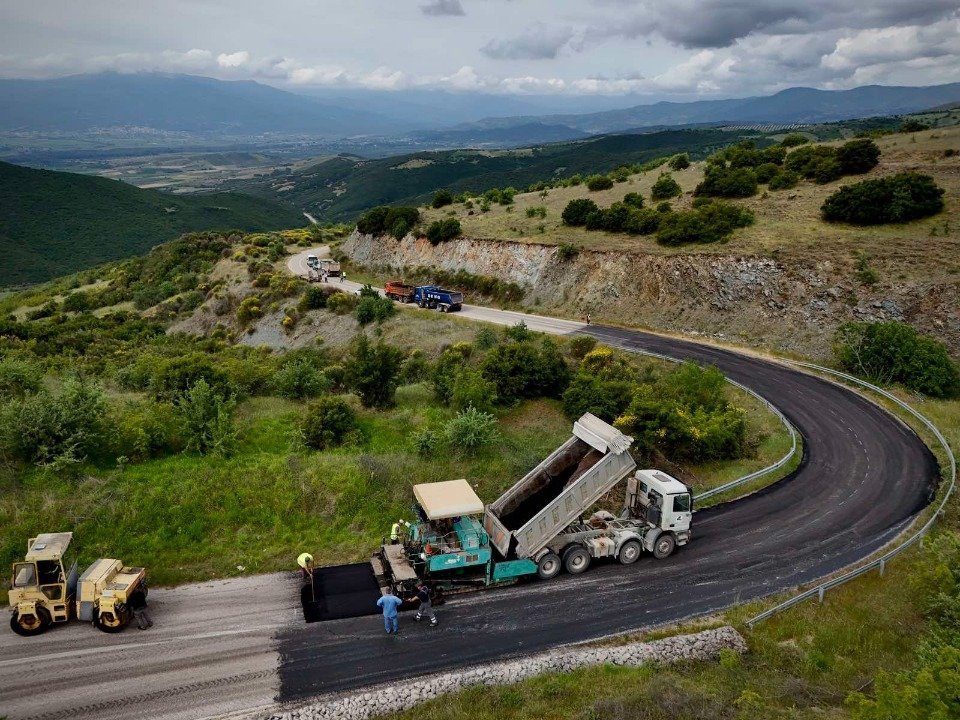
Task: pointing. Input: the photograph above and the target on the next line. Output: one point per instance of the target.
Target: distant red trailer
(399, 291)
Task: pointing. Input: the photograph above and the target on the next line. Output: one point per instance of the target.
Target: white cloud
(233, 60)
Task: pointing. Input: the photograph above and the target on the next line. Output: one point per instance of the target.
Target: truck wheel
(549, 566)
(664, 546)
(629, 552)
(113, 622)
(576, 559)
(28, 625)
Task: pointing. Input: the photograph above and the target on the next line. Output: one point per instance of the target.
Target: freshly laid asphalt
(863, 477)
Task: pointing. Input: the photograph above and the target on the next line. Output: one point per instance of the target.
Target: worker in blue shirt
(390, 603)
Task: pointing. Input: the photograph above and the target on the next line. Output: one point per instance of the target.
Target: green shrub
(567, 251)
(576, 211)
(766, 172)
(581, 345)
(341, 303)
(373, 372)
(426, 442)
(416, 368)
(827, 170)
(385, 219)
(207, 417)
(680, 162)
(300, 377)
(633, 199)
(893, 352)
(471, 430)
(446, 369)
(665, 188)
(143, 429)
(894, 199)
(486, 338)
(727, 182)
(375, 309)
(175, 376)
(643, 222)
(521, 370)
(536, 211)
(19, 378)
(710, 223)
(441, 230)
(327, 422)
(248, 310)
(313, 298)
(599, 182)
(518, 333)
(442, 198)
(607, 399)
(858, 156)
(58, 429)
(620, 174)
(471, 389)
(911, 125)
(784, 180)
(76, 302)
(794, 139)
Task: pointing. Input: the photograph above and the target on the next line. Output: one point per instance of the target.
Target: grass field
(787, 222)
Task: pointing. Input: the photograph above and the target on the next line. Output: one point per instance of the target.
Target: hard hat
(304, 559)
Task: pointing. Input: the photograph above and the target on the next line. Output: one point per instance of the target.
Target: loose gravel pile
(404, 695)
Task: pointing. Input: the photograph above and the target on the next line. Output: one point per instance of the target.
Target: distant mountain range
(54, 223)
(201, 106)
(792, 106)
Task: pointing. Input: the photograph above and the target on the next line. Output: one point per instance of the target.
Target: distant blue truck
(431, 296)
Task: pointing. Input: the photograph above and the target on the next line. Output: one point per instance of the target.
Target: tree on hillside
(442, 198)
(576, 211)
(665, 188)
(373, 372)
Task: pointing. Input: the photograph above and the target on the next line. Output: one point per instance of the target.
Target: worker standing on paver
(426, 605)
(137, 601)
(396, 529)
(391, 621)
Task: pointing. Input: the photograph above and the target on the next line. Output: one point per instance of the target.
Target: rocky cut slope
(788, 304)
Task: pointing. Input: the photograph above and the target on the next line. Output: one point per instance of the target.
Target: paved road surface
(231, 645)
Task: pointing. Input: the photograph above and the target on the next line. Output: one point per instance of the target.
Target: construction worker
(390, 603)
(396, 529)
(137, 601)
(305, 561)
(426, 605)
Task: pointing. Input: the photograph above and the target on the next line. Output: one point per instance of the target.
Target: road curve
(233, 645)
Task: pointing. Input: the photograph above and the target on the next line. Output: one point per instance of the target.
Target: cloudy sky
(657, 48)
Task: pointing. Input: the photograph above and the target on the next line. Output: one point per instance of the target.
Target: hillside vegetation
(54, 223)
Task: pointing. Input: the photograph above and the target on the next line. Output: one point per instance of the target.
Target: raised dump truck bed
(560, 489)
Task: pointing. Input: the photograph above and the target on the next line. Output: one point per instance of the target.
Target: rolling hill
(343, 187)
(53, 223)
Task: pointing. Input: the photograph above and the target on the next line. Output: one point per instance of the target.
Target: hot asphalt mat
(341, 591)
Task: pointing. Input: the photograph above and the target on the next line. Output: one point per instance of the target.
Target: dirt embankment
(789, 305)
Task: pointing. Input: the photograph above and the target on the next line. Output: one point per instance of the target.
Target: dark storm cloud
(443, 7)
(536, 43)
(700, 24)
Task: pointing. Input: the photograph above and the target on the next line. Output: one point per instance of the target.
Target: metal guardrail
(880, 562)
(770, 406)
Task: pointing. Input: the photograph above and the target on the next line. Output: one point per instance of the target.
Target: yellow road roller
(46, 588)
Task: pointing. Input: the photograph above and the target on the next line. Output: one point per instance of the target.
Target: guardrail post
(883, 566)
(820, 593)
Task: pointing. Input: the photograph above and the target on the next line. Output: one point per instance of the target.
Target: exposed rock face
(386, 699)
(754, 300)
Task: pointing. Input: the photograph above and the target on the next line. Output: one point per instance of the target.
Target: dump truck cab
(665, 504)
(43, 585)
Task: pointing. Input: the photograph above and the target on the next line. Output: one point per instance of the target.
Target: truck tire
(549, 566)
(576, 559)
(111, 623)
(629, 552)
(663, 546)
(28, 624)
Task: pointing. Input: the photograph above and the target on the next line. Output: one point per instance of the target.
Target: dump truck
(399, 291)
(46, 589)
(434, 297)
(538, 526)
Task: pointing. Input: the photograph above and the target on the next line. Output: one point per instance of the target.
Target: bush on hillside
(328, 421)
(897, 198)
(471, 430)
(794, 139)
(633, 199)
(442, 198)
(680, 162)
(784, 180)
(471, 389)
(576, 211)
(56, 429)
(300, 375)
(858, 156)
(766, 172)
(599, 182)
(607, 399)
(521, 370)
(397, 221)
(665, 188)
(373, 372)
(892, 352)
(207, 417)
(720, 181)
(313, 298)
(912, 125)
(707, 224)
(375, 309)
(448, 366)
(175, 376)
(442, 230)
(19, 378)
(76, 302)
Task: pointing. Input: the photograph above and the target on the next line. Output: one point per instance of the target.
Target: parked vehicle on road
(434, 297)
(399, 291)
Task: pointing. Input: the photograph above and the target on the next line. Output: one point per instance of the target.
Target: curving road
(238, 645)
